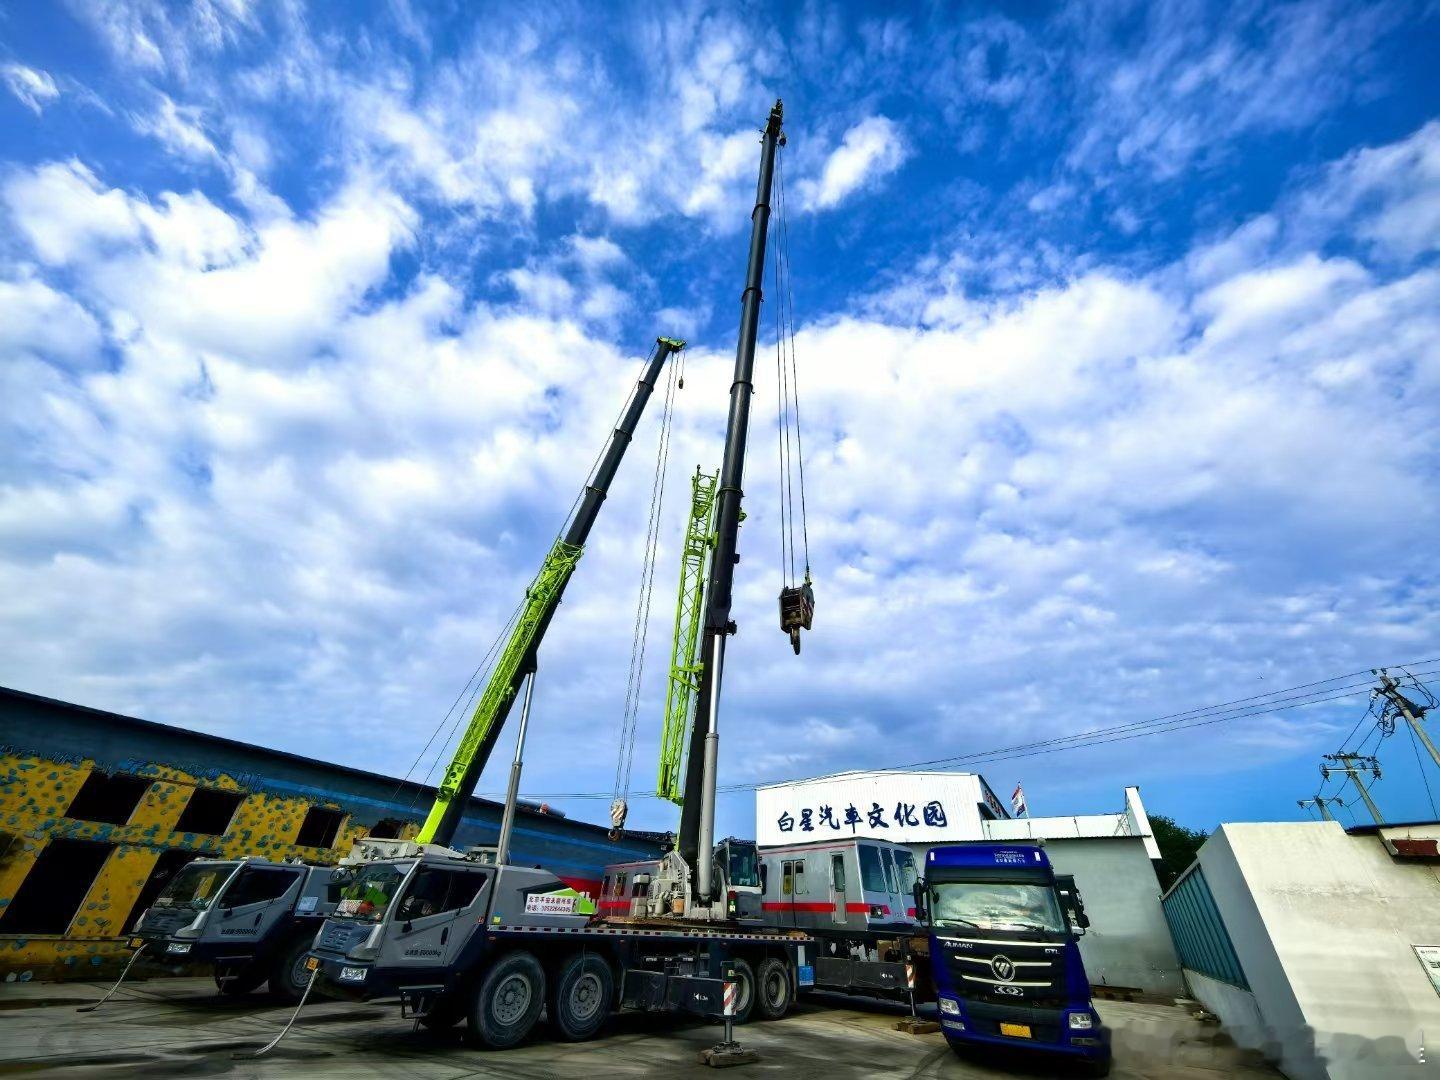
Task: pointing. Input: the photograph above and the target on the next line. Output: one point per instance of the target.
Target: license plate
(1016, 1031)
(136, 942)
(312, 963)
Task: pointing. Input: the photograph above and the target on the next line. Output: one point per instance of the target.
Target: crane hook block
(797, 610)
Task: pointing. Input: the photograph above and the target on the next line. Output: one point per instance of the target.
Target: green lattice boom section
(685, 662)
(540, 600)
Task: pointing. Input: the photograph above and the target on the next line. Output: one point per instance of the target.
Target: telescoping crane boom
(697, 820)
(517, 661)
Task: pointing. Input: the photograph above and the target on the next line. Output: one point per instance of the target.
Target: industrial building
(1317, 945)
(1112, 856)
(99, 810)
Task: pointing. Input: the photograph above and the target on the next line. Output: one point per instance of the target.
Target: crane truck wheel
(507, 1002)
(288, 976)
(580, 999)
(744, 990)
(773, 996)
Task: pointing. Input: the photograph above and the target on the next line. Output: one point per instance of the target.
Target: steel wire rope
(640, 634)
(1415, 745)
(476, 684)
(794, 373)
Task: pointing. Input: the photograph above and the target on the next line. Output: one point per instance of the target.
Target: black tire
(444, 1014)
(774, 993)
(580, 999)
(239, 981)
(745, 991)
(507, 1002)
(1098, 1068)
(288, 976)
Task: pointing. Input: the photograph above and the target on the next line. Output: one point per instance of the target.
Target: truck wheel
(288, 976)
(772, 989)
(580, 999)
(744, 990)
(507, 1002)
(444, 1014)
(241, 980)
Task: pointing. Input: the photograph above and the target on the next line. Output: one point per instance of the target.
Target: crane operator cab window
(434, 890)
(742, 866)
(369, 894)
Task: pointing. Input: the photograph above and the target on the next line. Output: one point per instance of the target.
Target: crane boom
(697, 817)
(685, 662)
(541, 599)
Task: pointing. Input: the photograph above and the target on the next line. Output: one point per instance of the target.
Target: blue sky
(1118, 343)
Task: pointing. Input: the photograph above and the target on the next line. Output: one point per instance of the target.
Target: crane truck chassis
(457, 940)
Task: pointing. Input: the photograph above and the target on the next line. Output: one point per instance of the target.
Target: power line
(1270, 702)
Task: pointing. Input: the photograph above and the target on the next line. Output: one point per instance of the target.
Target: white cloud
(1393, 190)
(179, 127)
(40, 320)
(64, 211)
(871, 149)
(34, 88)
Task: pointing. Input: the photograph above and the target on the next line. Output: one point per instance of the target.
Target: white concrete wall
(1323, 923)
(1238, 1012)
(1128, 943)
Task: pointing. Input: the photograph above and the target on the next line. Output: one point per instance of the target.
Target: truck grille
(1003, 972)
(341, 937)
(163, 921)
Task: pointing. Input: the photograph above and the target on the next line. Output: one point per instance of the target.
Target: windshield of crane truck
(367, 896)
(995, 905)
(744, 867)
(196, 886)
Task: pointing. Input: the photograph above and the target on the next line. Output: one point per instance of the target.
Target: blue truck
(1003, 935)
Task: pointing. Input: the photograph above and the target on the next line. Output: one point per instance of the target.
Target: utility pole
(1413, 714)
(1352, 765)
(1321, 803)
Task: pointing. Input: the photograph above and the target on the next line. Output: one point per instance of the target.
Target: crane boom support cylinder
(700, 780)
(512, 792)
(541, 599)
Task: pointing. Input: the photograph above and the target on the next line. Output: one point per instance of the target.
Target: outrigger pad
(724, 1055)
(914, 1025)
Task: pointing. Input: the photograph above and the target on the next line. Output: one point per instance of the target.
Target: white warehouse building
(1112, 856)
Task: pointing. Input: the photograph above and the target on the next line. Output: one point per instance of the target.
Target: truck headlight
(352, 974)
(1081, 1021)
(178, 947)
(950, 1006)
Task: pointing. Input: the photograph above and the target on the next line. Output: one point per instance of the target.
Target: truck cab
(251, 919)
(626, 889)
(1004, 954)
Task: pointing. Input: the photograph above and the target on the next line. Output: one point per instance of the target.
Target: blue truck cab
(1004, 953)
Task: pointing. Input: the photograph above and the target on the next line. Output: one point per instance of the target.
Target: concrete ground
(180, 1027)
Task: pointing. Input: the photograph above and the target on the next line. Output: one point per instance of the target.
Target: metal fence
(1199, 933)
